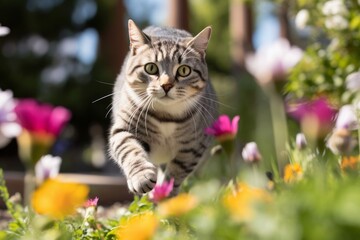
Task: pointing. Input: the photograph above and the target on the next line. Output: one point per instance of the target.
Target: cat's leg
(132, 156)
(185, 162)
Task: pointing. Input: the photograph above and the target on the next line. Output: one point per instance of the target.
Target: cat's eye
(151, 68)
(184, 71)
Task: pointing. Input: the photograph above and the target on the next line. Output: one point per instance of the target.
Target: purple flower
(250, 153)
(316, 116)
(223, 128)
(9, 128)
(41, 118)
(47, 167)
(162, 191)
(91, 202)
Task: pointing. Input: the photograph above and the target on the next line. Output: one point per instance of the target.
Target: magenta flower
(223, 128)
(162, 191)
(91, 202)
(41, 123)
(41, 118)
(316, 116)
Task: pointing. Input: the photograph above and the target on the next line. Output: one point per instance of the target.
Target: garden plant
(308, 189)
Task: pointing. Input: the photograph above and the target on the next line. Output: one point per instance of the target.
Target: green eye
(151, 68)
(184, 71)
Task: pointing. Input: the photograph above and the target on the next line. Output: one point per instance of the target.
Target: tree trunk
(284, 21)
(113, 40)
(179, 14)
(241, 31)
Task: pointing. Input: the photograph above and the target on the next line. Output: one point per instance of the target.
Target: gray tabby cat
(163, 100)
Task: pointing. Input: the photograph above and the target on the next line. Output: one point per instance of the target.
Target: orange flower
(292, 172)
(138, 227)
(59, 199)
(178, 205)
(240, 202)
(350, 163)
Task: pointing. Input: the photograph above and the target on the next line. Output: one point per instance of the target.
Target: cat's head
(167, 65)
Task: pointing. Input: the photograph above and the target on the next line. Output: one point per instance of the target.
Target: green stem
(279, 125)
(29, 186)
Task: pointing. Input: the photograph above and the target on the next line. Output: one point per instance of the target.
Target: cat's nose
(167, 87)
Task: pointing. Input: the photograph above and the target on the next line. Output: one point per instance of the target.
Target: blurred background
(69, 52)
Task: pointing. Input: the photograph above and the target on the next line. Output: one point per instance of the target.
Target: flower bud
(251, 153)
(300, 141)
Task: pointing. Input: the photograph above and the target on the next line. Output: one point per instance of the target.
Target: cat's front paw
(143, 179)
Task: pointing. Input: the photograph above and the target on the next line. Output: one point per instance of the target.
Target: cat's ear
(200, 41)
(136, 36)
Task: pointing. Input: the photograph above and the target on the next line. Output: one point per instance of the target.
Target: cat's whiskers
(146, 112)
(106, 83)
(101, 98)
(132, 116)
(202, 113)
(217, 102)
(188, 111)
(147, 100)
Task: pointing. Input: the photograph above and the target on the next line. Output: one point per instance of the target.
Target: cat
(163, 101)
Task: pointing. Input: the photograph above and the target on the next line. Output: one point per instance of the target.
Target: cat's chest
(165, 148)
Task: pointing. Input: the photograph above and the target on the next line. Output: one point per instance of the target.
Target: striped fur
(160, 118)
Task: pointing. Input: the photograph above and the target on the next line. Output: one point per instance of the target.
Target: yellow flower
(178, 205)
(240, 202)
(138, 227)
(292, 172)
(350, 163)
(58, 199)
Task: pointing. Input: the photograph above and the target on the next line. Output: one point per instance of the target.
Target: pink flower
(162, 191)
(41, 118)
(273, 62)
(315, 115)
(223, 128)
(91, 202)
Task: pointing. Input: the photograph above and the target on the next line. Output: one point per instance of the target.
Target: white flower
(273, 62)
(336, 22)
(300, 141)
(353, 81)
(9, 128)
(334, 7)
(346, 118)
(335, 12)
(47, 167)
(4, 30)
(302, 18)
(250, 152)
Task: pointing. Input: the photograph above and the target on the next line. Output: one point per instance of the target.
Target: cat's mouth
(166, 98)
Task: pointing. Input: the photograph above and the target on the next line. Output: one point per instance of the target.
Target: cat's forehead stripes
(168, 50)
